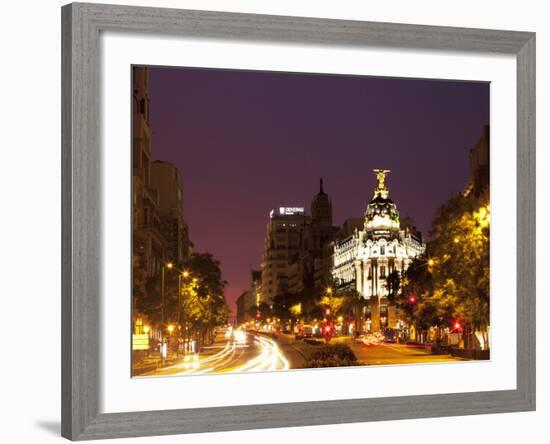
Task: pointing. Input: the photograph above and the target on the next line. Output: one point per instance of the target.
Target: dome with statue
(381, 216)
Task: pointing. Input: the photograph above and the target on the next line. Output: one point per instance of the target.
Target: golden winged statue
(381, 177)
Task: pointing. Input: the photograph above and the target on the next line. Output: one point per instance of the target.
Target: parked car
(372, 338)
(390, 335)
(304, 331)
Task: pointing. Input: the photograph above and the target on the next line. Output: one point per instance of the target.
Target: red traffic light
(412, 299)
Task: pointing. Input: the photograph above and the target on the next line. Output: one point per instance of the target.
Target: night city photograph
(285, 221)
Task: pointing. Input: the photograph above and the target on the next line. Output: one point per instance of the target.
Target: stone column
(374, 299)
(359, 276)
(375, 313)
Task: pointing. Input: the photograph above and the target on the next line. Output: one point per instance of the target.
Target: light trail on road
(270, 358)
(232, 358)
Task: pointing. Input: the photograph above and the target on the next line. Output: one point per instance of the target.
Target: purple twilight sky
(249, 141)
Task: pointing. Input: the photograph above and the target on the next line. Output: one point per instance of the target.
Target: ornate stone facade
(364, 260)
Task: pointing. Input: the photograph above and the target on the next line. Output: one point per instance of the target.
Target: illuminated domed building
(364, 259)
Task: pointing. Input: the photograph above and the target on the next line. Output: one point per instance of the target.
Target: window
(382, 271)
(382, 250)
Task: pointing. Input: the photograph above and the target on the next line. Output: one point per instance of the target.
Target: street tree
(203, 306)
(393, 286)
(460, 247)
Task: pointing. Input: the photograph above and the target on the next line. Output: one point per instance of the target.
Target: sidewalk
(152, 363)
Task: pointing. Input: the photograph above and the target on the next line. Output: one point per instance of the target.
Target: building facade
(147, 236)
(298, 248)
(319, 237)
(311, 267)
(282, 244)
(166, 180)
(479, 158)
(250, 298)
(364, 259)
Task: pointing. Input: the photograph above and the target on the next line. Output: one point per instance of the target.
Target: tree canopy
(450, 282)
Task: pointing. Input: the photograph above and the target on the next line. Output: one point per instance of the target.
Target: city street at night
(282, 258)
(253, 352)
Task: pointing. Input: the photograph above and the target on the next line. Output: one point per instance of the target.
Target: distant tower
(321, 208)
(318, 258)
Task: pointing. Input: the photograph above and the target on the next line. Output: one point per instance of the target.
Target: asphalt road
(253, 352)
(247, 352)
(393, 354)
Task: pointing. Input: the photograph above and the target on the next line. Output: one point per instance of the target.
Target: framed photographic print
(279, 221)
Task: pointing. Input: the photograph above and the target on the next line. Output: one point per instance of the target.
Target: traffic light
(412, 299)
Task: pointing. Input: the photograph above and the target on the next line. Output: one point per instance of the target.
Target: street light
(168, 265)
(185, 274)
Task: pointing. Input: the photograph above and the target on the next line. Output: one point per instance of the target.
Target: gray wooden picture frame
(81, 230)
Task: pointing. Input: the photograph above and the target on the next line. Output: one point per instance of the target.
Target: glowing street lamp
(181, 273)
(168, 265)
